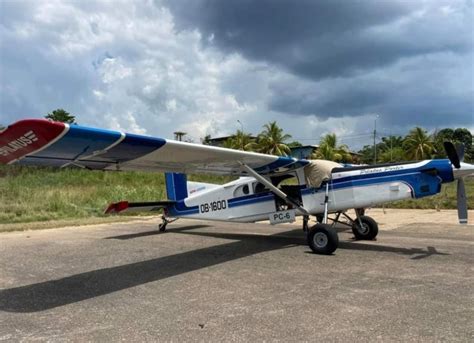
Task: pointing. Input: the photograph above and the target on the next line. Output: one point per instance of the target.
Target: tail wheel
(323, 239)
(162, 227)
(367, 231)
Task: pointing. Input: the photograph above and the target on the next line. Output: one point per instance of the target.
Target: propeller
(456, 156)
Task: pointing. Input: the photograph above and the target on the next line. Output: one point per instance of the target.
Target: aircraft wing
(47, 143)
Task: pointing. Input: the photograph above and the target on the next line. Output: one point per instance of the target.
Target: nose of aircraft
(465, 170)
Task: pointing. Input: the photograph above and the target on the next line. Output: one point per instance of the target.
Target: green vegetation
(330, 150)
(61, 115)
(30, 194)
(418, 144)
(272, 141)
(240, 141)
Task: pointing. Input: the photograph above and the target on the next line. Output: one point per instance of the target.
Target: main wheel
(323, 239)
(368, 230)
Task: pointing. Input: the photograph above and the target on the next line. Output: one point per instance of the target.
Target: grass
(29, 194)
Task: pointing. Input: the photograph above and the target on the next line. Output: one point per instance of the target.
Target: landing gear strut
(165, 221)
(363, 227)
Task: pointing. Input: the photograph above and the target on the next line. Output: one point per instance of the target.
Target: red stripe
(117, 207)
(26, 136)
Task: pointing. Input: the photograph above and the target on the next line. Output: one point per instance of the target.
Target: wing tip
(27, 136)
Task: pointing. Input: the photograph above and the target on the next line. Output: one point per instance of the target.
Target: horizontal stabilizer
(125, 206)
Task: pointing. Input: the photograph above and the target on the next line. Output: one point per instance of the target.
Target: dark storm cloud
(324, 38)
(349, 58)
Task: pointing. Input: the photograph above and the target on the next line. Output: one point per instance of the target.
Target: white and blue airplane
(317, 187)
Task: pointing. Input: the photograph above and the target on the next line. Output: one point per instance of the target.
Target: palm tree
(329, 150)
(272, 140)
(61, 115)
(418, 144)
(395, 154)
(240, 141)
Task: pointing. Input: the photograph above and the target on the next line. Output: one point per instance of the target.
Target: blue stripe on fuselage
(250, 199)
(421, 181)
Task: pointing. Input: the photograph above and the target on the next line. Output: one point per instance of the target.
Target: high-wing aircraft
(262, 191)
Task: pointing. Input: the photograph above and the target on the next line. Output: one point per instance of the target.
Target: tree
(394, 154)
(61, 115)
(240, 141)
(206, 140)
(418, 144)
(390, 150)
(272, 140)
(329, 150)
(464, 136)
(439, 137)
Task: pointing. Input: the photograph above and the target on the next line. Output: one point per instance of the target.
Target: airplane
(275, 188)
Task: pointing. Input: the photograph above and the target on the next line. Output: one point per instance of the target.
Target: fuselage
(247, 200)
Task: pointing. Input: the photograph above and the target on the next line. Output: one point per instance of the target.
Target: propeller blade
(460, 152)
(462, 203)
(452, 154)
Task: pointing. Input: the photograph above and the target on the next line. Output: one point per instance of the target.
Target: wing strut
(275, 190)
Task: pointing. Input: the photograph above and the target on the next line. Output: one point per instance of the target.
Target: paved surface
(218, 281)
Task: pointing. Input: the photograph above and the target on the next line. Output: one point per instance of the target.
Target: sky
(210, 67)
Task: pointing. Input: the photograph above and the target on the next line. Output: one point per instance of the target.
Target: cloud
(410, 62)
(117, 65)
(198, 66)
(327, 38)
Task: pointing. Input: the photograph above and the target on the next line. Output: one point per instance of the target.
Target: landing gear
(323, 239)
(165, 221)
(365, 228)
(305, 223)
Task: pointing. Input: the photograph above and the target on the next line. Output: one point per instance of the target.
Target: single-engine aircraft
(319, 187)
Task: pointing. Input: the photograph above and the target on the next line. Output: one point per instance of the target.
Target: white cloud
(124, 65)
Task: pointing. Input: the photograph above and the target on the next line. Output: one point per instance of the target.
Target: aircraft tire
(323, 239)
(369, 229)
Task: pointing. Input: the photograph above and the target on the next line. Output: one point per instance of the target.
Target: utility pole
(391, 147)
(241, 125)
(375, 135)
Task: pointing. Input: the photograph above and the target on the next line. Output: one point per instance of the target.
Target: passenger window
(241, 191)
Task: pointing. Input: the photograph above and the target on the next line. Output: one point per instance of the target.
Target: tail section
(176, 186)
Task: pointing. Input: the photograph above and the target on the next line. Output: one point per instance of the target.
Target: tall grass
(29, 194)
(36, 194)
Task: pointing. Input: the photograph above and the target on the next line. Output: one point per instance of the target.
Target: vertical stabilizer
(176, 187)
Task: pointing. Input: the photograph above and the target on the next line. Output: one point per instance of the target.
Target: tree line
(418, 144)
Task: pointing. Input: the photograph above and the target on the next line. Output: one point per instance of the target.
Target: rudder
(176, 187)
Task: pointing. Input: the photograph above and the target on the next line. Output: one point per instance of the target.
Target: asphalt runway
(205, 281)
